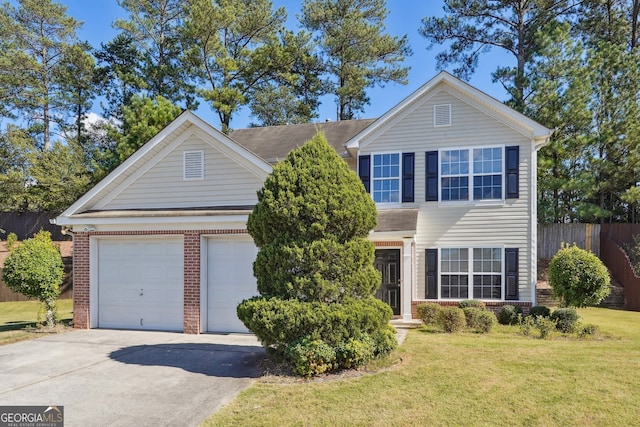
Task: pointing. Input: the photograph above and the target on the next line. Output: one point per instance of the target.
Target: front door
(388, 264)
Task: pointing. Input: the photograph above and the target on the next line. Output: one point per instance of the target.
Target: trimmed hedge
(451, 319)
(277, 322)
(428, 312)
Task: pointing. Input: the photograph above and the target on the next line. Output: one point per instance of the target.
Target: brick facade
(81, 271)
(192, 246)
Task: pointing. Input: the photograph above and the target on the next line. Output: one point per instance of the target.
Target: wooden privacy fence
(26, 224)
(614, 238)
(552, 236)
(618, 263)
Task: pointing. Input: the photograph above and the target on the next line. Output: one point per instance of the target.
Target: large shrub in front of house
(34, 269)
(578, 277)
(314, 267)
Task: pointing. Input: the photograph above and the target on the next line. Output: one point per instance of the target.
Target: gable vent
(442, 115)
(193, 164)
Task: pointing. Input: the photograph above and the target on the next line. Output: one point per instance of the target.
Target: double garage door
(140, 283)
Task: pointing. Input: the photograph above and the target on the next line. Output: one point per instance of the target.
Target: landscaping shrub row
(474, 315)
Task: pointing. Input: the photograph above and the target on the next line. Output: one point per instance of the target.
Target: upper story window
(389, 177)
(480, 167)
(472, 174)
(386, 178)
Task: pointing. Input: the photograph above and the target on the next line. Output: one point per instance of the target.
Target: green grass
(502, 378)
(18, 319)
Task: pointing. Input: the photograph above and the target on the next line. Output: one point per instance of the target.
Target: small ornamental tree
(35, 270)
(314, 268)
(578, 278)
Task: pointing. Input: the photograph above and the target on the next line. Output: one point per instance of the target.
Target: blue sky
(404, 18)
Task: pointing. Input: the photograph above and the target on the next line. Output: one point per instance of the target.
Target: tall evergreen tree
(35, 36)
(474, 27)
(291, 94)
(156, 26)
(232, 43)
(358, 54)
(118, 73)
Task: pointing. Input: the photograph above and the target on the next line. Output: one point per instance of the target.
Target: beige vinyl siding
(505, 225)
(226, 182)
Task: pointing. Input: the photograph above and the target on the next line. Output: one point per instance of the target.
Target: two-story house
(161, 242)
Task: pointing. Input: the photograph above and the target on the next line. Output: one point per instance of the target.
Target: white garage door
(140, 284)
(230, 280)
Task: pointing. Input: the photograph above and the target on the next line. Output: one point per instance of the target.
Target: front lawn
(18, 319)
(466, 379)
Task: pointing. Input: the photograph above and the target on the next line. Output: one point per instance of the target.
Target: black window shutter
(511, 273)
(431, 174)
(513, 172)
(364, 171)
(408, 160)
(431, 277)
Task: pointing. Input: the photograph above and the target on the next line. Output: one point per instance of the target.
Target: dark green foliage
(472, 303)
(565, 319)
(578, 277)
(509, 315)
(310, 357)
(279, 322)
(35, 270)
(428, 312)
(357, 52)
(451, 319)
(315, 268)
(539, 311)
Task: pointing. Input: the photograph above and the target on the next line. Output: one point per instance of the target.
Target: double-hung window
(471, 273)
(386, 178)
(486, 273)
(471, 174)
(454, 280)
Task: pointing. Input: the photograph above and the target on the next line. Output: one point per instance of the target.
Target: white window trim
(471, 201)
(470, 273)
(387, 204)
(184, 165)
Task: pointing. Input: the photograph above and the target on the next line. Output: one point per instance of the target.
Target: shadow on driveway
(217, 360)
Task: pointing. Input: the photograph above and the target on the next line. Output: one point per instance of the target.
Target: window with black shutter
(364, 171)
(431, 276)
(511, 273)
(512, 155)
(431, 174)
(408, 161)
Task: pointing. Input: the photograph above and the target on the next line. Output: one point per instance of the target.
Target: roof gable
(188, 131)
(480, 100)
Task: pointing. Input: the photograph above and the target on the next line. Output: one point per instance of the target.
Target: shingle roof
(275, 142)
(397, 220)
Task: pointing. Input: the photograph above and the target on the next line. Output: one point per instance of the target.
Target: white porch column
(407, 278)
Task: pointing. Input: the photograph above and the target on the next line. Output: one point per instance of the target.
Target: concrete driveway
(129, 378)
